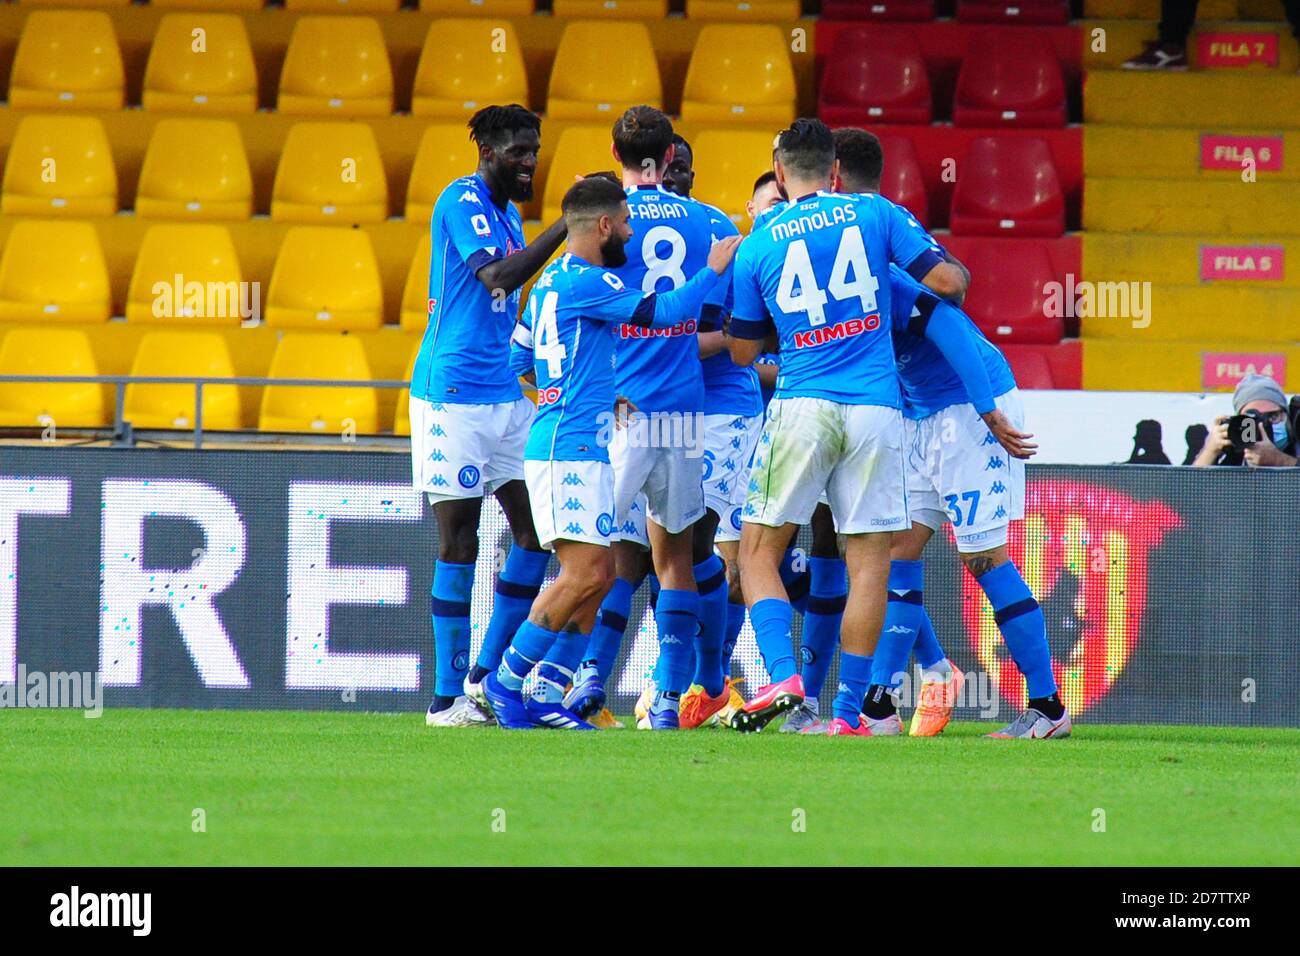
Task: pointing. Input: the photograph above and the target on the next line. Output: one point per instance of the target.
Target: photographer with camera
(1262, 433)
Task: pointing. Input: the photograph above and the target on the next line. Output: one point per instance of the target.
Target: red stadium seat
(875, 75)
(915, 11)
(902, 180)
(1006, 299)
(1030, 12)
(1009, 78)
(1007, 186)
(1029, 366)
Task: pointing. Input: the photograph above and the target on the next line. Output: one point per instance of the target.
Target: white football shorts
(467, 451)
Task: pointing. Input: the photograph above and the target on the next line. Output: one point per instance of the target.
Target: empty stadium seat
(915, 11)
(330, 172)
(580, 150)
(174, 353)
(610, 9)
(67, 59)
(304, 408)
(94, 4)
(200, 63)
(415, 293)
(875, 75)
(902, 180)
(1030, 367)
(195, 169)
(589, 84)
(53, 271)
(740, 73)
(336, 66)
(325, 278)
(1007, 298)
(478, 8)
(1028, 12)
(59, 165)
(200, 257)
(342, 6)
(445, 153)
(467, 64)
(1009, 78)
(37, 351)
(761, 11)
(726, 164)
(1007, 186)
(207, 4)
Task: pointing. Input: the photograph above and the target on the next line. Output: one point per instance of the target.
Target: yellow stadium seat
(53, 271)
(610, 9)
(304, 408)
(37, 351)
(200, 63)
(325, 278)
(189, 273)
(67, 59)
(740, 73)
(59, 165)
(501, 9)
(751, 11)
(581, 150)
(342, 6)
(330, 172)
(445, 153)
(336, 66)
(465, 65)
(415, 294)
(197, 354)
(589, 84)
(207, 4)
(726, 164)
(402, 419)
(195, 169)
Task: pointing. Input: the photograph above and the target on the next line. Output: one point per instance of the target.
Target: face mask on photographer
(1280, 433)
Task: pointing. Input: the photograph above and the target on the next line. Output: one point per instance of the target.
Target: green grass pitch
(360, 789)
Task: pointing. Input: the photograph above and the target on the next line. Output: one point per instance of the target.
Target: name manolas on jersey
(660, 369)
(817, 273)
(464, 356)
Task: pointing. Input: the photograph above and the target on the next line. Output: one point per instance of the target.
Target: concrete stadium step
(1202, 152)
(1228, 48)
(1267, 100)
(1181, 313)
(1191, 260)
(1191, 207)
(1209, 365)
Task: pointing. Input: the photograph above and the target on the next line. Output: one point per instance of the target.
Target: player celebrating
(576, 311)
(469, 419)
(835, 423)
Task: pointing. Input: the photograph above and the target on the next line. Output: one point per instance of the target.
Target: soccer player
(576, 311)
(835, 423)
(469, 419)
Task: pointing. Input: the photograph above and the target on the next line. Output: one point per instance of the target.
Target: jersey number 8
(669, 268)
(798, 290)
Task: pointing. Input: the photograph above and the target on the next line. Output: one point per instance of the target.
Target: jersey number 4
(798, 290)
(547, 346)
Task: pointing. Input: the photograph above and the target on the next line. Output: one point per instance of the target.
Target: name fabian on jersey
(836, 215)
(841, 330)
(650, 210)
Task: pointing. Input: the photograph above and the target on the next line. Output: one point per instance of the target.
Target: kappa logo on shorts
(735, 518)
(735, 443)
(724, 487)
(437, 431)
(994, 463)
(468, 477)
(738, 424)
(749, 510)
(437, 407)
(437, 455)
(605, 524)
(753, 486)
(571, 478)
(572, 504)
(990, 439)
(574, 528)
(1001, 512)
(997, 488)
(438, 481)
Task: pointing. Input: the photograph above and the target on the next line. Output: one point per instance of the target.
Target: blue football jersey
(574, 313)
(659, 369)
(767, 358)
(929, 381)
(464, 356)
(729, 389)
(818, 274)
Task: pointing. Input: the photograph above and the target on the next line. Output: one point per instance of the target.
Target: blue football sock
(529, 646)
(827, 593)
(677, 615)
(771, 618)
(1021, 621)
(928, 651)
(711, 582)
(855, 674)
(796, 581)
(902, 623)
(555, 672)
(611, 625)
(735, 622)
(452, 586)
(517, 585)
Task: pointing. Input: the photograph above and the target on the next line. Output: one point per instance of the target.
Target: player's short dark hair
(807, 148)
(493, 126)
(763, 180)
(642, 133)
(861, 159)
(681, 142)
(592, 197)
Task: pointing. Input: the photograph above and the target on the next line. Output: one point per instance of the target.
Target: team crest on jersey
(1084, 549)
